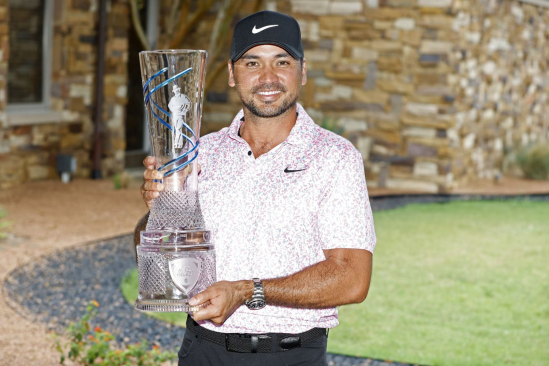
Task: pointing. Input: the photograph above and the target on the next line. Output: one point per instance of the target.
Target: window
(29, 62)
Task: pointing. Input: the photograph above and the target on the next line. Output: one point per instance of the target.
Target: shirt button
(250, 152)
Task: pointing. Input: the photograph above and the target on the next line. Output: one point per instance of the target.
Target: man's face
(268, 80)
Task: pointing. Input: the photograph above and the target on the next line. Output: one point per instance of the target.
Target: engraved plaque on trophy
(176, 259)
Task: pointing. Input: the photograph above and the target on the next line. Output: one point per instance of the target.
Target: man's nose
(268, 75)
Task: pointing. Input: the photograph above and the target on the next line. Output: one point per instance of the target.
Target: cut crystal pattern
(151, 268)
(176, 210)
(156, 289)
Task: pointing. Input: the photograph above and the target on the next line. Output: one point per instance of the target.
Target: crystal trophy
(175, 257)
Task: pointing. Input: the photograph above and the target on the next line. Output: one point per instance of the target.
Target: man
(179, 105)
(288, 208)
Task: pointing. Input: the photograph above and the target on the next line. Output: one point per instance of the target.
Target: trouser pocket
(186, 346)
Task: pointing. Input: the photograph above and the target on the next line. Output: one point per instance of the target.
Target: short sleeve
(345, 217)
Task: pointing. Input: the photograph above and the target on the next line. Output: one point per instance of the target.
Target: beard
(269, 111)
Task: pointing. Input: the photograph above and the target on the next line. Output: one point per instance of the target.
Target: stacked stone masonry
(434, 93)
(28, 152)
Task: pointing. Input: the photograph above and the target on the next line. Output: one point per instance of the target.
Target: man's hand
(224, 298)
(151, 189)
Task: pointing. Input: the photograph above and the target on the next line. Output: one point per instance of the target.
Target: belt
(255, 343)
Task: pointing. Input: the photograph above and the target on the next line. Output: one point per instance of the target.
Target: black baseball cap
(267, 27)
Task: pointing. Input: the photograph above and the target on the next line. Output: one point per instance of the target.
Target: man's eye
(283, 63)
(252, 64)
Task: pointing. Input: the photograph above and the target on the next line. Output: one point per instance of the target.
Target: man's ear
(231, 74)
(304, 72)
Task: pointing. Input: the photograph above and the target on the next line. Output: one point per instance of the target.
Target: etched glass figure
(176, 259)
(179, 105)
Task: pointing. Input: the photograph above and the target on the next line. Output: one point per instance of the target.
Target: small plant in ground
(121, 180)
(534, 161)
(3, 224)
(95, 347)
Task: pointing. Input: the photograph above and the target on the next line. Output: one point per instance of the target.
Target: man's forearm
(343, 278)
(338, 280)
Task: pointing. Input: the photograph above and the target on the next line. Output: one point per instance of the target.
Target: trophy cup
(175, 257)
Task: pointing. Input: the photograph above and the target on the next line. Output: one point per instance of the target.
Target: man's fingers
(152, 194)
(209, 312)
(149, 162)
(201, 298)
(150, 174)
(149, 195)
(153, 186)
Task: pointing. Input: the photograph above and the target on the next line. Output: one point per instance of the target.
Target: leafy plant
(3, 224)
(331, 124)
(121, 180)
(534, 161)
(94, 347)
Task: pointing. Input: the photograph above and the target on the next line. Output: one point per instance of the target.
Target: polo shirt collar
(301, 135)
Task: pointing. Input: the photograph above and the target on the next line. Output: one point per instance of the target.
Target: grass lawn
(129, 290)
(464, 283)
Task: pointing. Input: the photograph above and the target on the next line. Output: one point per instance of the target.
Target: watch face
(256, 304)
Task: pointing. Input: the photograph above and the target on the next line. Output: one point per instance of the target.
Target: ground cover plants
(94, 346)
(462, 283)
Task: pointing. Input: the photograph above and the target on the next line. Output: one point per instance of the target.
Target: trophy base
(173, 266)
(166, 306)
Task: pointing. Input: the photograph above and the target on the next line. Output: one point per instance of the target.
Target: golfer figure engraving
(179, 105)
(175, 257)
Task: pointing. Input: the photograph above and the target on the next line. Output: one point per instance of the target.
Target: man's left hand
(224, 298)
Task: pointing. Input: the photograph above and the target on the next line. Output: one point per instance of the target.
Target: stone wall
(380, 69)
(434, 93)
(502, 83)
(28, 151)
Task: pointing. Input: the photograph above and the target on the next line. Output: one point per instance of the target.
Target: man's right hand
(151, 189)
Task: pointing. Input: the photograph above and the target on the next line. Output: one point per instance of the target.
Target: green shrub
(94, 347)
(3, 224)
(121, 180)
(534, 161)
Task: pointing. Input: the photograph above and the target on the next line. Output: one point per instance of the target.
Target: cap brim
(292, 51)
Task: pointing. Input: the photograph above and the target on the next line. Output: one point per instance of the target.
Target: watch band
(258, 298)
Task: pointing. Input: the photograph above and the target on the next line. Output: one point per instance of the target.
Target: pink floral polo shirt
(273, 216)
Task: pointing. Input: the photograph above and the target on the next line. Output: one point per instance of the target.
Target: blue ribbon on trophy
(148, 94)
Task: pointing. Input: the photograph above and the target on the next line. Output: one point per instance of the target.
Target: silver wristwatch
(258, 298)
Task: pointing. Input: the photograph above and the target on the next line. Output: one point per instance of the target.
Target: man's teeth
(269, 92)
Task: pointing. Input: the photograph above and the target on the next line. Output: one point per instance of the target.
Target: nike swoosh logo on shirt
(255, 31)
(292, 171)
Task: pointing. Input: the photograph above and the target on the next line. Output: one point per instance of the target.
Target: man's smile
(269, 92)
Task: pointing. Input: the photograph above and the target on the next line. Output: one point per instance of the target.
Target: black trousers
(196, 351)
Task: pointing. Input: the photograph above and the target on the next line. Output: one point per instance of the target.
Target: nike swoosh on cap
(255, 30)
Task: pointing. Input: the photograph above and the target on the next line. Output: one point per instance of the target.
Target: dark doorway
(136, 146)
